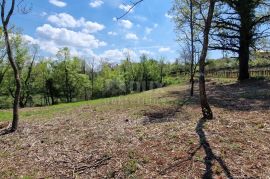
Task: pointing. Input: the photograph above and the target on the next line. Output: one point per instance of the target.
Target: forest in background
(65, 78)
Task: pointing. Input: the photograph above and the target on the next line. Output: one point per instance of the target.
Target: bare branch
(132, 6)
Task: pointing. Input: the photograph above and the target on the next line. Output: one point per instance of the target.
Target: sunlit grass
(120, 102)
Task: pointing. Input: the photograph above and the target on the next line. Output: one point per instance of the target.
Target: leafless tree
(5, 17)
(206, 110)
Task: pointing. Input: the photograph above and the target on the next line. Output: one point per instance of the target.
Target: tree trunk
(92, 82)
(5, 22)
(192, 49)
(206, 110)
(246, 33)
(13, 64)
(67, 91)
(21, 104)
(244, 54)
(50, 90)
(243, 64)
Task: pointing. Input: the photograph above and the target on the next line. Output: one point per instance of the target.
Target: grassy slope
(155, 134)
(49, 111)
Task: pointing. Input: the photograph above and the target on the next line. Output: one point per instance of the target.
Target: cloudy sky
(89, 28)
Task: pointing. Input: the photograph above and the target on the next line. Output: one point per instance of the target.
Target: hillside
(154, 134)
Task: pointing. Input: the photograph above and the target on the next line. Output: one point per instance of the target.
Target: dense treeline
(65, 78)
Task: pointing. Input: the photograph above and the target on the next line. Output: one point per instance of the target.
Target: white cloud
(131, 36)
(30, 39)
(67, 20)
(68, 37)
(145, 52)
(113, 54)
(164, 49)
(168, 16)
(140, 18)
(96, 3)
(51, 39)
(43, 14)
(126, 24)
(63, 20)
(90, 27)
(126, 8)
(148, 30)
(58, 3)
(112, 33)
(116, 55)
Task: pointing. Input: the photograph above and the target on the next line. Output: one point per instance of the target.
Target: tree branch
(128, 11)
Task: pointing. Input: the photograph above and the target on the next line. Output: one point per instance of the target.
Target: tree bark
(244, 48)
(192, 50)
(206, 110)
(5, 21)
(243, 62)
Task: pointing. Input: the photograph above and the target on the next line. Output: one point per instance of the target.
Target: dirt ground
(156, 134)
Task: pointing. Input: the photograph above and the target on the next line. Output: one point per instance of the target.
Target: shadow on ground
(251, 95)
(209, 159)
(247, 96)
(167, 114)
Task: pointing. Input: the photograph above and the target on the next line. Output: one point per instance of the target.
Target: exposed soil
(148, 140)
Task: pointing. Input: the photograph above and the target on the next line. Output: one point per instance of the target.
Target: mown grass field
(155, 134)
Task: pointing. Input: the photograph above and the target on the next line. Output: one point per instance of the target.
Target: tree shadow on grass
(209, 159)
(250, 95)
(161, 115)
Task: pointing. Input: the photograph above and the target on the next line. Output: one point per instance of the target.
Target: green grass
(48, 111)
(119, 102)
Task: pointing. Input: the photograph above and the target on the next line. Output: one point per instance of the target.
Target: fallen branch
(97, 163)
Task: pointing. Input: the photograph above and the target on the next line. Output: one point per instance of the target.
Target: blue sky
(89, 28)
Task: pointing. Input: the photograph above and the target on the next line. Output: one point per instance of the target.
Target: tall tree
(5, 17)
(206, 110)
(241, 24)
(185, 15)
(64, 56)
(192, 72)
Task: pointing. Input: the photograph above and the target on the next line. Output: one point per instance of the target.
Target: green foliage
(233, 63)
(130, 167)
(69, 79)
(221, 64)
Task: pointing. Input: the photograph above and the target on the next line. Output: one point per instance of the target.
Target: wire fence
(233, 73)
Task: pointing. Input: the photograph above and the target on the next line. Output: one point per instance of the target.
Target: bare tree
(206, 110)
(185, 15)
(5, 22)
(192, 48)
